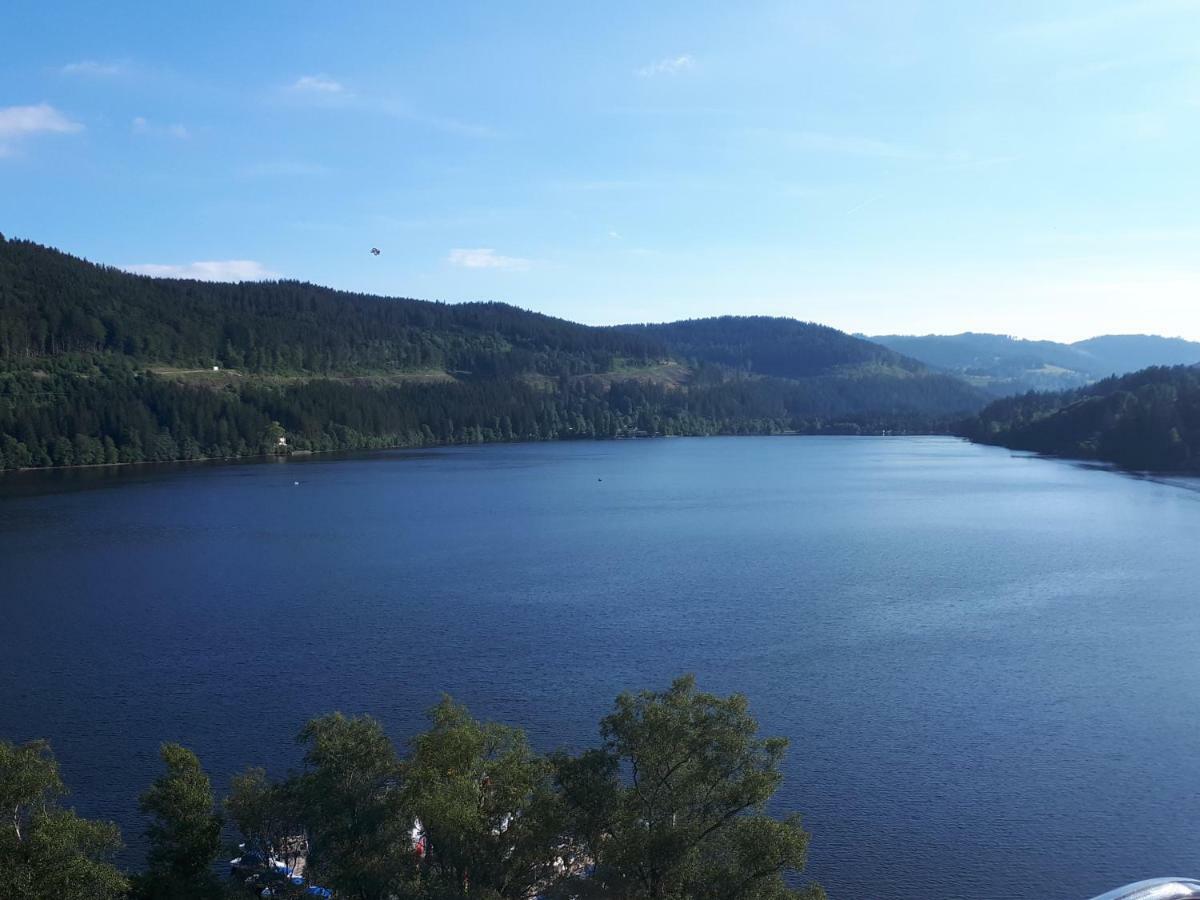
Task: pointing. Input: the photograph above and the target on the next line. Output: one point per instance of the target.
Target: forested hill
(779, 347)
(101, 366)
(1149, 420)
(53, 304)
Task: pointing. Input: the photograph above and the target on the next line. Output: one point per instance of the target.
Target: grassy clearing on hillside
(223, 377)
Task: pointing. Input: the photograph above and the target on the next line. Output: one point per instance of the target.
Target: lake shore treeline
(1148, 420)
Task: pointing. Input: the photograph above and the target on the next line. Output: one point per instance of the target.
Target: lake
(986, 662)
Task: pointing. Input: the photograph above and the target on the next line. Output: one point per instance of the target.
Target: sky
(1027, 168)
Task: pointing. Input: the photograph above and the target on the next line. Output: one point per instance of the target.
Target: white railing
(1156, 889)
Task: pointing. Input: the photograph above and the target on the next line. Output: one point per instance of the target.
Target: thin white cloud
(672, 65)
(327, 92)
(485, 258)
(90, 68)
(20, 122)
(141, 125)
(319, 84)
(210, 270)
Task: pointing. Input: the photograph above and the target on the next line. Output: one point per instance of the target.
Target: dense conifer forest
(98, 366)
(779, 347)
(1148, 420)
(53, 304)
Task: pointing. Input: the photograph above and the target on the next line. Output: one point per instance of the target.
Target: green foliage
(353, 807)
(184, 830)
(29, 780)
(251, 806)
(268, 814)
(750, 862)
(487, 807)
(47, 852)
(1148, 420)
(590, 786)
(683, 788)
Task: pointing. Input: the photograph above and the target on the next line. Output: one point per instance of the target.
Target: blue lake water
(987, 663)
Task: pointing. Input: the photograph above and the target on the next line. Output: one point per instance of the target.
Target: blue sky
(1022, 167)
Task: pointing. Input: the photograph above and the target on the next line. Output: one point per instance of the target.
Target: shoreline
(284, 457)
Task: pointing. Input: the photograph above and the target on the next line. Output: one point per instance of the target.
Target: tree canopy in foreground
(671, 805)
(46, 851)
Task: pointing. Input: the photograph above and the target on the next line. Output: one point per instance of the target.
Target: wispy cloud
(90, 68)
(485, 258)
(862, 204)
(321, 85)
(20, 122)
(322, 90)
(210, 270)
(671, 65)
(141, 125)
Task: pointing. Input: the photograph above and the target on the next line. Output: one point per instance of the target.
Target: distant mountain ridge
(1005, 365)
(1121, 353)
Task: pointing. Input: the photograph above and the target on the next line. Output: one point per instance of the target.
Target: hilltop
(774, 346)
(1005, 365)
(101, 366)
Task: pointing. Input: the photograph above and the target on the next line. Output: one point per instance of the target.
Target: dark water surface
(987, 663)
